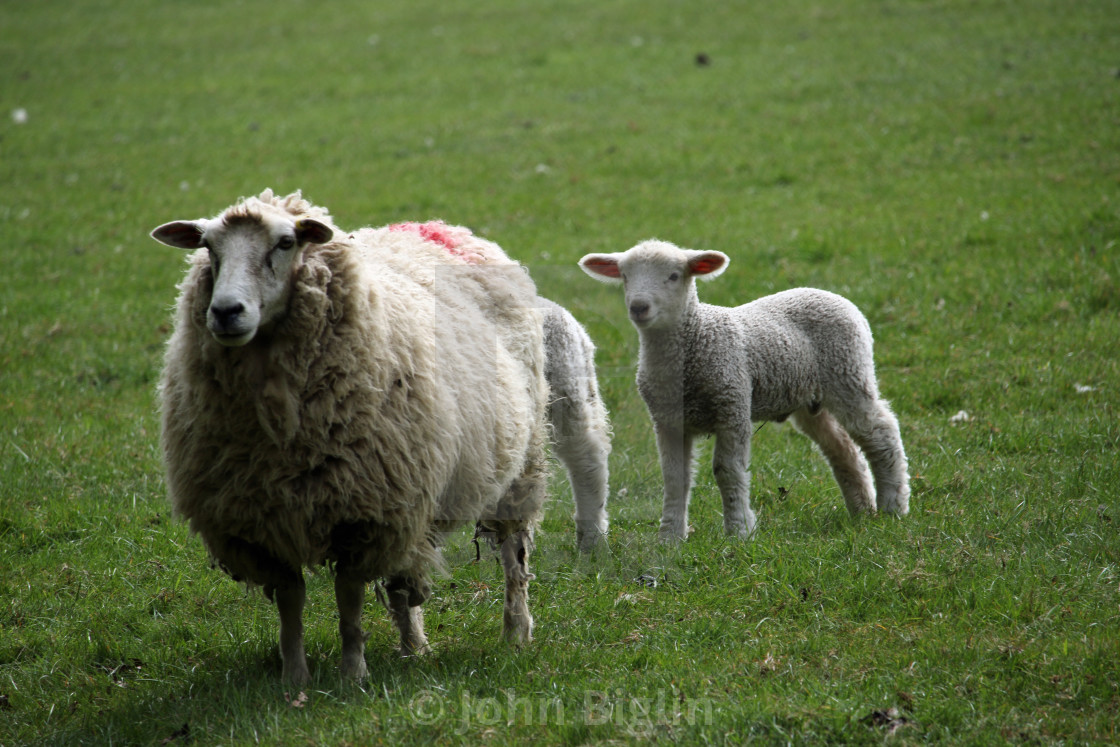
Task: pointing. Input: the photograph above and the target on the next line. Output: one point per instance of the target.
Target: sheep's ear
(602, 267)
(181, 234)
(311, 231)
(708, 264)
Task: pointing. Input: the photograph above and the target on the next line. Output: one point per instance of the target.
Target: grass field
(952, 166)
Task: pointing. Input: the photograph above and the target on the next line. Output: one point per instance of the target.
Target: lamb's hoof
(744, 531)
(590, 540)
(673, 535)
(895, 507)
(420, 649)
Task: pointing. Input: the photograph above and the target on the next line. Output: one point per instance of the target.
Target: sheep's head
(658, 278)
(254, 248)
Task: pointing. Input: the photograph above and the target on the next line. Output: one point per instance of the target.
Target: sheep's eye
(674, 277)
(285, 243)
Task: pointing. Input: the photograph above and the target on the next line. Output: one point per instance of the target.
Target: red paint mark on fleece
(450, 238)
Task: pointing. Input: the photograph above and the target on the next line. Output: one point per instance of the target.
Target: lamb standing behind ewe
(706, 369)
(579, 426)
(346, 398)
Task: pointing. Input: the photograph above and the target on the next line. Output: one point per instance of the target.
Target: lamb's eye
(674, 277)
(285, 243)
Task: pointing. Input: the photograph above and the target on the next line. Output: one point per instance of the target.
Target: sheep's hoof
(518, 638)
(354, 670)
(517, 630)
(297, 675)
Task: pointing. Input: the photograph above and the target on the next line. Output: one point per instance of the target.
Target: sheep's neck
(662, 367)
(663, 348)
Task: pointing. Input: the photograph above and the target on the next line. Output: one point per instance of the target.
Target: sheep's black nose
(225, 316)
(639, 309)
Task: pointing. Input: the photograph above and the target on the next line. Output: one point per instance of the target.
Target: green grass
(952, 166)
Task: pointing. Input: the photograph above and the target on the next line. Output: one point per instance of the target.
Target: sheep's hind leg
(511, 526)
(675, 449)
(584, 454)
(731, 464)
(848, 465)
(289, 601)
(349, 591)
(517, 623)
(405, 597)
(878, 434)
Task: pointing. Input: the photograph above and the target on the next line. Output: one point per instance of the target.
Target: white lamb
(706, 369)
(579, 426)
(344, 399)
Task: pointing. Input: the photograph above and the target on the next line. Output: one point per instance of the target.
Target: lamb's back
(772, 356)
(805, 346)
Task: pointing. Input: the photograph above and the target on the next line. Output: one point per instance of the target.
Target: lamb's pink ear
(181, 234)
(311, 231)
(708, 264)
(602, 267)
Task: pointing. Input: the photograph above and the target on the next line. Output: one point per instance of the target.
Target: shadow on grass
(237, 695)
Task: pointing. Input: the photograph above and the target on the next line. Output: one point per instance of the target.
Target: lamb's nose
(638, 309)
(225, 316)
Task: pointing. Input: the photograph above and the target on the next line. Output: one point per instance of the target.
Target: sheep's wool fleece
(399, 395)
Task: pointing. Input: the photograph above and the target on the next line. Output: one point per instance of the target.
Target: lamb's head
(659, 279)
(254, 248)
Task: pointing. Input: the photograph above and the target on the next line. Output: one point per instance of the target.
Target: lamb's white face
(657, 288)
(252, 257)
(657, 277)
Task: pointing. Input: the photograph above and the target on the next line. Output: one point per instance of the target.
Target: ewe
(579, 426)
(345, 399)
(706, 369)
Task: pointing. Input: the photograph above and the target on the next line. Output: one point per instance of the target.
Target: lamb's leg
(407, 615)
(848, 465)
(675, 449)
(289, 601)
(517, 623)
(877, 433)
(349, 592)
(584, 454)
(731, 464)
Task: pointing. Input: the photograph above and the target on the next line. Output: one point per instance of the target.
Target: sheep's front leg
(675, 449)
(289, 601)
(732, 467)
(349, 592)
(517, 623)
